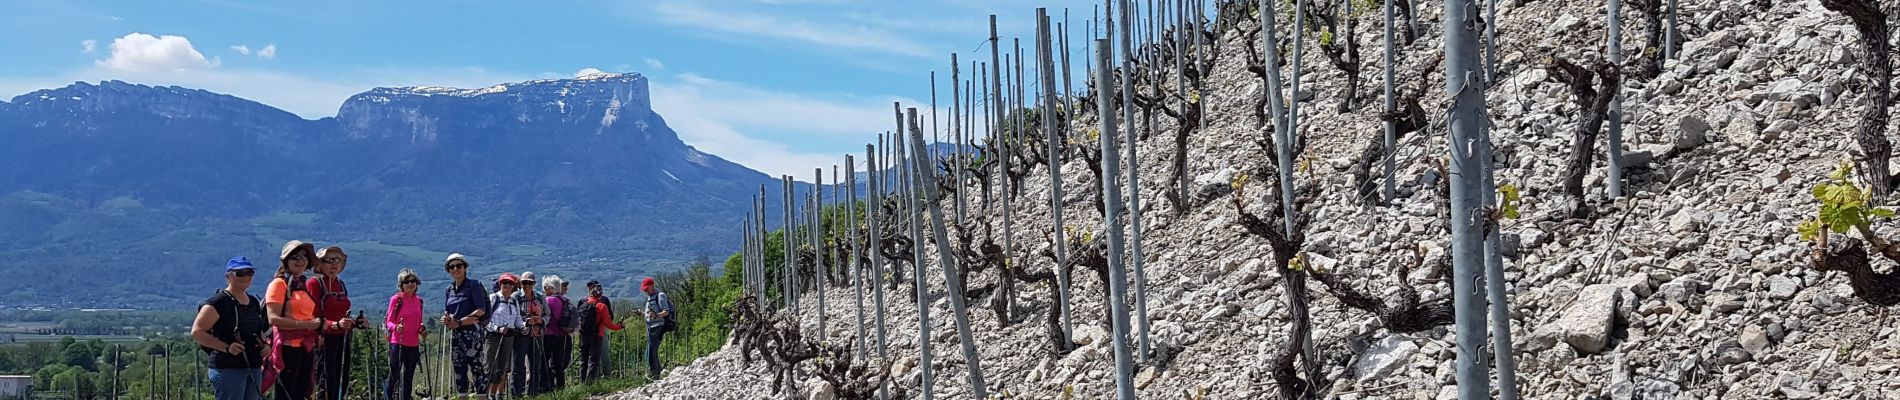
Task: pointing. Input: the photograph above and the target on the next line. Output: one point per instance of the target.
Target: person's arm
(482, 307)
(605, 319)
(201, 331)
(666, 306)
(390, 319)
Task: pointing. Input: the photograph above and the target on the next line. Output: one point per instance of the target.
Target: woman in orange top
(293, 312)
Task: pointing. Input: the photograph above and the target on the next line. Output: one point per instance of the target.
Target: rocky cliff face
(1693, 286)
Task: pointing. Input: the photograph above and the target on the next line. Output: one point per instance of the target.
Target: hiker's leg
(654, 336)
(559, 355)
(588, 342)
(330, 377)
(253, 384)
(293, 383)
(467, 352)
(518, 379)
(228, 384)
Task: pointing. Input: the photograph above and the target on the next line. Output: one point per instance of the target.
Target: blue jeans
(654, 336)
(237, 383)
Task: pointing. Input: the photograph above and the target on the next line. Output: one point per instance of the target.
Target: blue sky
(778, 85)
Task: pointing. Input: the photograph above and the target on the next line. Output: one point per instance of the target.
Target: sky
(781, 86)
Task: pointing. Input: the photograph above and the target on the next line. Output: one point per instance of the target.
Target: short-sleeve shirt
(301, 307)
(465, 299)
(237, 323)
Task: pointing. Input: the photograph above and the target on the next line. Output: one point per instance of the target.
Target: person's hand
(345, 324)
(446, 321)
(234, 348)
(399, 327)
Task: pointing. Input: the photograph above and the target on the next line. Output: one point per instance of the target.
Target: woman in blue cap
(230, 328)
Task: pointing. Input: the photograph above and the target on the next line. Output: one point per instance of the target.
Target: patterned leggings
(466, 349)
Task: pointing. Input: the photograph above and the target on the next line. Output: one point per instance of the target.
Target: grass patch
(524, 250)
(285, 220)
(598, 387)
(122, 203)
(412, 253)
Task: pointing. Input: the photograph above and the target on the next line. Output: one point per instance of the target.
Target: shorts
(499, 350)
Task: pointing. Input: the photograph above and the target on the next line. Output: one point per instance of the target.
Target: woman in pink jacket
(405, 324)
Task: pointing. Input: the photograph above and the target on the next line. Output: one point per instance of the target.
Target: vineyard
(1427, 206)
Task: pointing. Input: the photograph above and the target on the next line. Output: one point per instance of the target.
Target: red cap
(646, 284)
(506, 277)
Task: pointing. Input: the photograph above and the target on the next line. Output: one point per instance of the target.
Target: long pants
(293, 383)
(654, 336)
(523, 364)
(466, 347)
(591, 366)
(334, 377)
(236, 383)
(402, 371)
(560, 352)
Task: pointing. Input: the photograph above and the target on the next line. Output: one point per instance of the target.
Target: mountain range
(125, 195)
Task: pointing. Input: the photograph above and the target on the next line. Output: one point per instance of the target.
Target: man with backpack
(659, 316)
(596, 317)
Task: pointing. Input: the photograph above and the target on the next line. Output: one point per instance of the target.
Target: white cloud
(89, 45)
(242, 49)
(843, 36)
(268, 52)
(140, 52)
(654, 64)
(757, 127)
(588, 71)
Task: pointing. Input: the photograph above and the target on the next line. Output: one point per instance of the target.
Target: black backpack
(586, 316)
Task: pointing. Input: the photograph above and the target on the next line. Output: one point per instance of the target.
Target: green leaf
(1809, 229)
(1510, 200)
(1881, 213)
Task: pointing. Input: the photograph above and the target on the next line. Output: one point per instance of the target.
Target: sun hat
(291, 246)
(327, 251)
(505, 277)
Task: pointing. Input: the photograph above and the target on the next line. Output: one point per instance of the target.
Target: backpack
(667, 324)
(565, 322)
(587, 316)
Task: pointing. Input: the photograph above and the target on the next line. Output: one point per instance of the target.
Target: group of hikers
(511, 341)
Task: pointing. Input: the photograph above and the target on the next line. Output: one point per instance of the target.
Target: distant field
(21, 327)
(27, 339)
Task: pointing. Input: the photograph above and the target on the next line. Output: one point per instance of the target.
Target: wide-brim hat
(327, 251)
(453, 257)
(292, 246)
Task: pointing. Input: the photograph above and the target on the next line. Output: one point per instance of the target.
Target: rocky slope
(1693, 286)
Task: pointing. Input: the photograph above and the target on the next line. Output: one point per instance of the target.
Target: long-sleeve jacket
(604, 315)
(404, 320)
(507, 317)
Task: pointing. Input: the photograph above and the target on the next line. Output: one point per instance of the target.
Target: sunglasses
(298, 257)
(507, 283)
(457, 266)
(411, 281)
(243, 273)
(332, 260)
